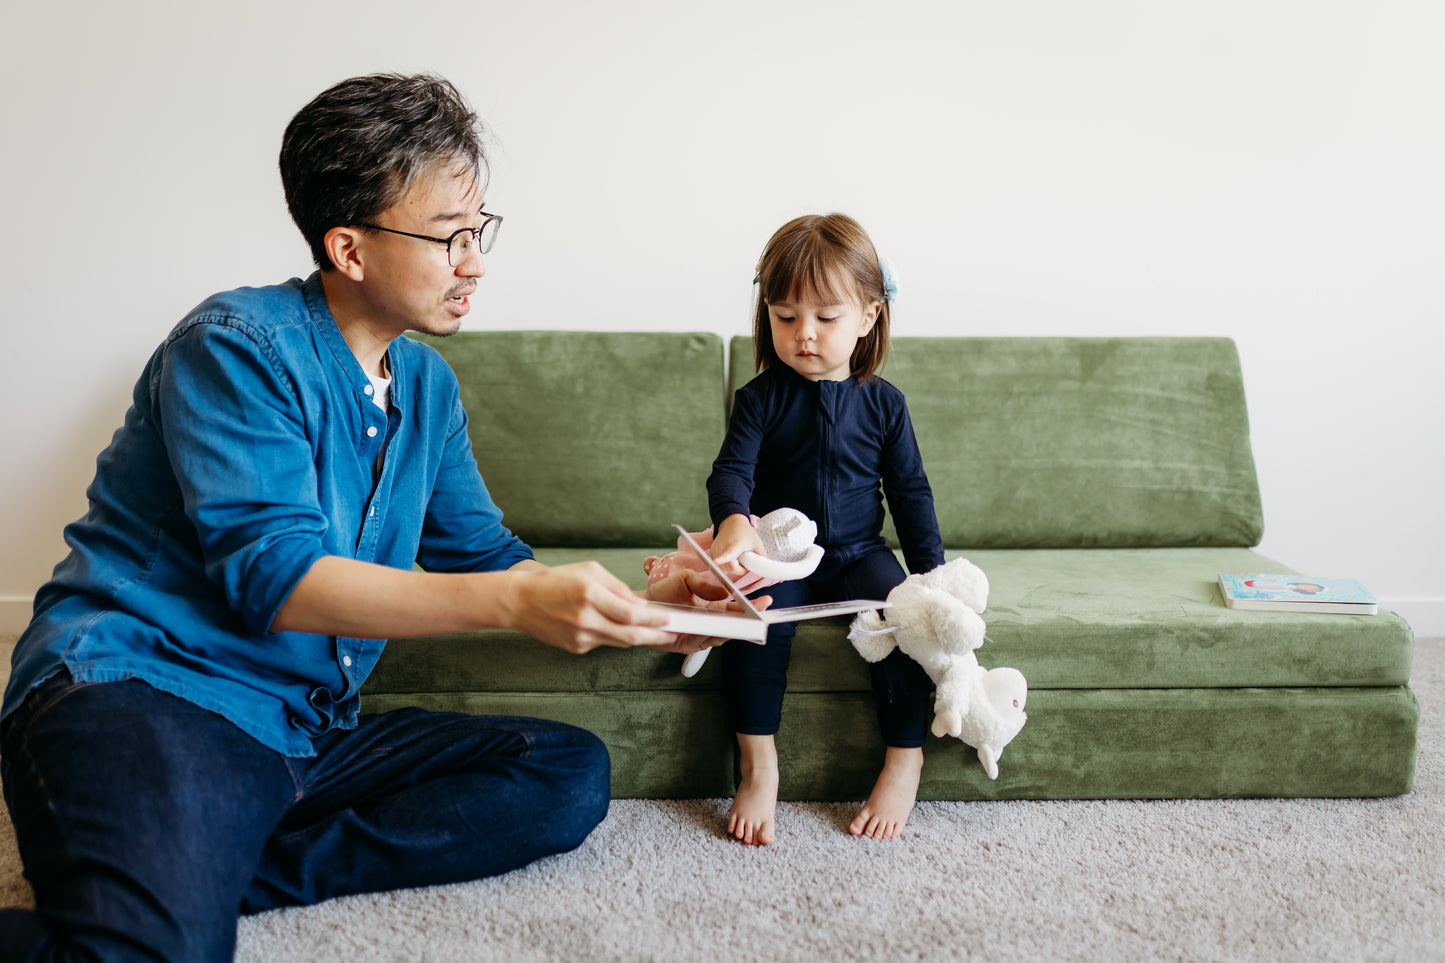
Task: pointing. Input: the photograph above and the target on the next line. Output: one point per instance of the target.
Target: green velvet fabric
(663, 745)
(1129, 743)
(1077, 442)
(1102, 484)
(1078, 743)
(591, 439)
(1065, 618)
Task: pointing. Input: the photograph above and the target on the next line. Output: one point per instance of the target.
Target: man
(181, 740)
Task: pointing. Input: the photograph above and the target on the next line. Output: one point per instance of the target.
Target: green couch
(1102, 483)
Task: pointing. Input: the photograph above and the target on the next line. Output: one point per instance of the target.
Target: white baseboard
(1426, 616)
(14, 614)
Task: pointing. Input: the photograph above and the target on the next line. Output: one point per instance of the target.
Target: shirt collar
(315, 297)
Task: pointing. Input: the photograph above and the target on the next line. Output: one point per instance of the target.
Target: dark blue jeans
(756, 676)
(147, 825)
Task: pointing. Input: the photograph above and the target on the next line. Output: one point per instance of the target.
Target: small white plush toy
(789, 538)
(935, 618)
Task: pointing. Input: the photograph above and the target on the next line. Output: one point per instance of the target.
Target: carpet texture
(1255, 879)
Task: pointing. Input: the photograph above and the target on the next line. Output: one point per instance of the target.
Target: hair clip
(890, 279)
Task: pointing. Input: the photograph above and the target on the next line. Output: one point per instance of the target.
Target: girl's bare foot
(889, 805)
(751, 818)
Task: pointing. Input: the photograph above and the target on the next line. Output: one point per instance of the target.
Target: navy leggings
(756, 676)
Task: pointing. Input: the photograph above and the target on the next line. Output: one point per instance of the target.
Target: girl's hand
(734, 536)
(695, 588)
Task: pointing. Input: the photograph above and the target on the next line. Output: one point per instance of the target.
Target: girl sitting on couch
(818, 430)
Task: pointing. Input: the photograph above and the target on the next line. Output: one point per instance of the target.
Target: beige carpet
(1196, 880)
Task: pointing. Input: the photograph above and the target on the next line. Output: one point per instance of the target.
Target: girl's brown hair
(810, 257)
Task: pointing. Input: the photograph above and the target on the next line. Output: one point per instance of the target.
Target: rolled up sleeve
(245, 466)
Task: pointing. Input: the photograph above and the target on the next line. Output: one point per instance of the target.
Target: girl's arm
(910, 497)
(730, 486)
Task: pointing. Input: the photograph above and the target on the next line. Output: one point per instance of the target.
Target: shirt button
(371, 432)
(369, 390)
(346, 661)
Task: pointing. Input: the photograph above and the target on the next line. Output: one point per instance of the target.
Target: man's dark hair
(353, 151)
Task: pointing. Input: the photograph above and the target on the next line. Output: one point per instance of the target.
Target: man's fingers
(582, 606)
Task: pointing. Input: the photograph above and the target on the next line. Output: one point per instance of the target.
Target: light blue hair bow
(890, 279)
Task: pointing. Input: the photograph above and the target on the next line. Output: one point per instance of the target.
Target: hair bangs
(810, 269)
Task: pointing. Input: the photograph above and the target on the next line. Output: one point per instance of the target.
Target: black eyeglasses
(460, 244)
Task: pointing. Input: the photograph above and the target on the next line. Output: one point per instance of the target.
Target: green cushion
(1065, 618)
(591, 439)
(664, 745)
(1144, 618)
(1077, 442)
(1077, 744)
(1129, 743)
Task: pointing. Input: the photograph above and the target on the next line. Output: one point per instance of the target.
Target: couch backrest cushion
(592, 439)
(1077, 442)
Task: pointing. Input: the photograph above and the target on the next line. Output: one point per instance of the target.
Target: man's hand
(687, 587)
(579, 607)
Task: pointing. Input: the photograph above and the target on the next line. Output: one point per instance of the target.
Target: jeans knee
(579, 795)
(597, 780)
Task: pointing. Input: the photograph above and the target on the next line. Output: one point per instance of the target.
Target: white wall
(1261, 169)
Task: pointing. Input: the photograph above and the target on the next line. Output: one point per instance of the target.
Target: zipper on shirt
(825, 459)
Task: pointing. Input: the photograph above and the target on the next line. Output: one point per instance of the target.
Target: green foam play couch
(1101, 483)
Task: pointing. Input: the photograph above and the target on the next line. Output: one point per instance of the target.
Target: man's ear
(343, 247)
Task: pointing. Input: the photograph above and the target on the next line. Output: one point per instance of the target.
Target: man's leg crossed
(417, 798)
(140, 819)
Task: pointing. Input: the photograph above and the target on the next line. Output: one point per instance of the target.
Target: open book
(751, 623)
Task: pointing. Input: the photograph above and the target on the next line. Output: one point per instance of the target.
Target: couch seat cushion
(1066, 618)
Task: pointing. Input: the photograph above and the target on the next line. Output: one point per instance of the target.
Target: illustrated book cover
(751, 623)
(1296, 593)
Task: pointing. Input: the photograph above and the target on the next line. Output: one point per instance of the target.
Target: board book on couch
(1296, 593)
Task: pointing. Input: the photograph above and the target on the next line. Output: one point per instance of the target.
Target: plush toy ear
(693, 663)
(990, 761)
(873, 640)
(782, 571)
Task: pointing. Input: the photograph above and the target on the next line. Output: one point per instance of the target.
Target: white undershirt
(381, 394)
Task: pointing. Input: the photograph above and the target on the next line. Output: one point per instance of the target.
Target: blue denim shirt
(253, 448)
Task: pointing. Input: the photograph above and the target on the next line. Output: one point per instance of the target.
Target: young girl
(818, 431)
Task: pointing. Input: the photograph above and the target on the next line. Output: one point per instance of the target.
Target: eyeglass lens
(464, 241)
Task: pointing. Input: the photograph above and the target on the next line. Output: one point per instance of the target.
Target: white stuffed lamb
(935, 618)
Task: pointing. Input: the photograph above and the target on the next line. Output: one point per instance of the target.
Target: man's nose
(473, 266)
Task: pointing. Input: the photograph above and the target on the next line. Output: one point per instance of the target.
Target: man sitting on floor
(181, 738)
